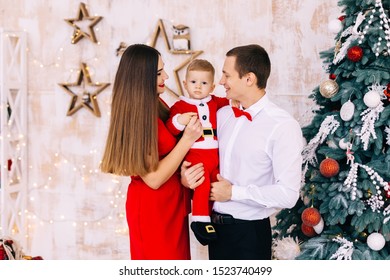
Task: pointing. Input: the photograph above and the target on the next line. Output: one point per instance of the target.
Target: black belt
(226, 219)
(209, 132)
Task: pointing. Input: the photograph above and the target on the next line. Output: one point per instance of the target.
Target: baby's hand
(184, 119)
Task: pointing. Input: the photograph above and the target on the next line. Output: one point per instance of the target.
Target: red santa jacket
(206, 109)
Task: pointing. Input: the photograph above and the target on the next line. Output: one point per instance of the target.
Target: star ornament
(80, 19)
(84, 92)
(192, 55)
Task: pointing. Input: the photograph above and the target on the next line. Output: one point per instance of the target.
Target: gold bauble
(329, 88)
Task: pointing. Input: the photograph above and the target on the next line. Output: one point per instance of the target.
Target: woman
(140, 146)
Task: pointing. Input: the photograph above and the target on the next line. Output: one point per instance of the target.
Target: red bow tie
(238, 113)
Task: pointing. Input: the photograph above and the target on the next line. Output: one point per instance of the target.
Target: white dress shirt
(261, 158)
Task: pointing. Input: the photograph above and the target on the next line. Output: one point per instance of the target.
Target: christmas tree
(344, 209)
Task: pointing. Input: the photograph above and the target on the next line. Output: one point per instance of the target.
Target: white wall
(76, 212)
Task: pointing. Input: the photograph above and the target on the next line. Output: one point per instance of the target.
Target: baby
(199, 84)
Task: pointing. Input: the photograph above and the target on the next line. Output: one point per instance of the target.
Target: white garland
(328, 126)
(351, 181)
(376, 200)
(385, 213)
(354, 34)
(387, 130)
(378, 89)
(369, 117)
(345, 251)
(387, 210)
(384, 25)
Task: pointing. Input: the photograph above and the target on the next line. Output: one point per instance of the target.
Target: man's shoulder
(278, 111)
(281, 116)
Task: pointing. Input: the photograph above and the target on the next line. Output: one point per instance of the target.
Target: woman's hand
(191, 177)
(193, 130)
(185, 118)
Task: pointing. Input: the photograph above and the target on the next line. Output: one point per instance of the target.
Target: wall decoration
(181, 38)
(83, 97)
(192, 54)
(121, 48)
(13, 135)
(78, 33)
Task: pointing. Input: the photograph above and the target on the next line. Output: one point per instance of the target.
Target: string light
(89, 175)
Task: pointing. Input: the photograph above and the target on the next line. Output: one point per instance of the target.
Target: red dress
(158, 219)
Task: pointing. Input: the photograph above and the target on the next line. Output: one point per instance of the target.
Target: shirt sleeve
(284, 148)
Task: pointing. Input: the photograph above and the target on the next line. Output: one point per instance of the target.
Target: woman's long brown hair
(131, 146)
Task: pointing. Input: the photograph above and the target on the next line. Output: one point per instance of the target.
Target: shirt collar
(255, 108)
(195, 101)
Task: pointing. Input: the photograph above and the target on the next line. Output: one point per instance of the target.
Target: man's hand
(191, 177)
(221, 190)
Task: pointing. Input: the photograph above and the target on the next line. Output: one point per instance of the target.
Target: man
(260, 160)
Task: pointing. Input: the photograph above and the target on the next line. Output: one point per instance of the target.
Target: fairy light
(114, 218)
(33, 220)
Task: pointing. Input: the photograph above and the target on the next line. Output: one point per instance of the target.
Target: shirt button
(204, 117)
(201, 104)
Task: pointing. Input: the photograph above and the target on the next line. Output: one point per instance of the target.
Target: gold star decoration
(193, 54)
(78, 33)
(84, 98)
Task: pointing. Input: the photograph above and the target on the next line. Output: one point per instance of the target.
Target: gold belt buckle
(210, 229)
(208, 132)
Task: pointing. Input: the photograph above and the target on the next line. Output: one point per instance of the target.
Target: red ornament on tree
(332, 76)
(341, 18)
(329, 167)
(311, 217)
(308, 231)
(387, 192)
(355, 53)
(387, 91)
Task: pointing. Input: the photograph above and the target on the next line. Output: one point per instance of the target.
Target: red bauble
(329, 167)
(355, 53)
(332, 76)
(311, 217)
(341, 18)
(308, 231)
(387, 192)
(387, 91)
